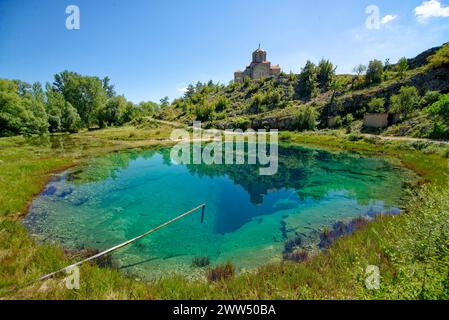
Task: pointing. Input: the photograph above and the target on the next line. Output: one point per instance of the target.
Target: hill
(287, 101)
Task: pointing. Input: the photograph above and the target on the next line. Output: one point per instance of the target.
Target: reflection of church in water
(258, 69)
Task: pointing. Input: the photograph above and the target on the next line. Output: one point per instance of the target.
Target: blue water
(248, 217)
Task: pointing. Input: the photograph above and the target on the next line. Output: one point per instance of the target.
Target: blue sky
(152, 49)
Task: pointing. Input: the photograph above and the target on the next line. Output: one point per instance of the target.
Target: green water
(248, 217)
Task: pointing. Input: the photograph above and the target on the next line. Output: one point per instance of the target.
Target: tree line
(71, 103)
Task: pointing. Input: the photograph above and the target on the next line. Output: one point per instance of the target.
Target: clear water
(248, 217)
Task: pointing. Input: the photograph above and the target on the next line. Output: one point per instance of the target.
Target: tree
(376, 105)
(307, 81)
(86, 94)
(326, 73)
(62, 116)
(189, 91)
(165, 102)
(109, 88)
(374, 72)
(21, 109)
(402, 67)
(117, 111)
(406, 101)
(440, 108)
(146, 108)
(359, 70)
(387, 67)
(71, 120)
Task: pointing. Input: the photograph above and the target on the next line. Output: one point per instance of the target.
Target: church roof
(259, 50)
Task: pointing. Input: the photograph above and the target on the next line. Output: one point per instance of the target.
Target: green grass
(388, 242)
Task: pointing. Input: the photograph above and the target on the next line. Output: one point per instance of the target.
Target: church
(258, 69)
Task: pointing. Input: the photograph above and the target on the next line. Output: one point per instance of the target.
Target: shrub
(200, 262)
(203, 111)
(419, 249)
(306, 118)
(354, 137)
(222, 103)
(430, 98)
(348, 119)
(338, 122)
(221, 272)
(242, 123)
(376, 105)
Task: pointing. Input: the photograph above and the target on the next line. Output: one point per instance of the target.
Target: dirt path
(406, 139)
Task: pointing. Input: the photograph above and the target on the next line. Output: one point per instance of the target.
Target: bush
(348, 119)
(221, 272)
(376, 105)
(306, 119)
(419, 248)
(222, 103)
(338, 122)
(203, 111)
(354, 137)
(242, 123)
(430, 98)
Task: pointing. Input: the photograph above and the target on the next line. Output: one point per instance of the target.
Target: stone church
(258, 69)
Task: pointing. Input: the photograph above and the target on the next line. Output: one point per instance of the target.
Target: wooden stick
(124, 244)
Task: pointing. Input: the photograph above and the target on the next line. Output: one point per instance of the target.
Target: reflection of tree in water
(312, 173)
(107, 166)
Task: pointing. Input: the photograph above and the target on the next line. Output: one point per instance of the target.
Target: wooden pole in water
(202, 213)
(124, 244)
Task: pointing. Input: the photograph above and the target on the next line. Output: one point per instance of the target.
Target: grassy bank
(411, 250)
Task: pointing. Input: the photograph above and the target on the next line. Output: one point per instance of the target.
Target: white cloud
(388, 18)
(182, 90)
(431, 8)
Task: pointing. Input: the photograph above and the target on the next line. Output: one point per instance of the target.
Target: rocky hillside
(276, 102)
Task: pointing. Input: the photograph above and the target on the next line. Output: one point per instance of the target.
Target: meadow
(411, 250)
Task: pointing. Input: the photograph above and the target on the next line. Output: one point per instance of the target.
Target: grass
(390, 243)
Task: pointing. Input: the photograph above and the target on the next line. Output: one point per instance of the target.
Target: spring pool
(248, 217)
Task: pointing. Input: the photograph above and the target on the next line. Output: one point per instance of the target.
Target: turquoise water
(248, 217)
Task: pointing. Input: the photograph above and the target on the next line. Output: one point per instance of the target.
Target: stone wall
(375, 120)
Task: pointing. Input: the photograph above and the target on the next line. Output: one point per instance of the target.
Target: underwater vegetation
(339, 229)
(200, 262)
